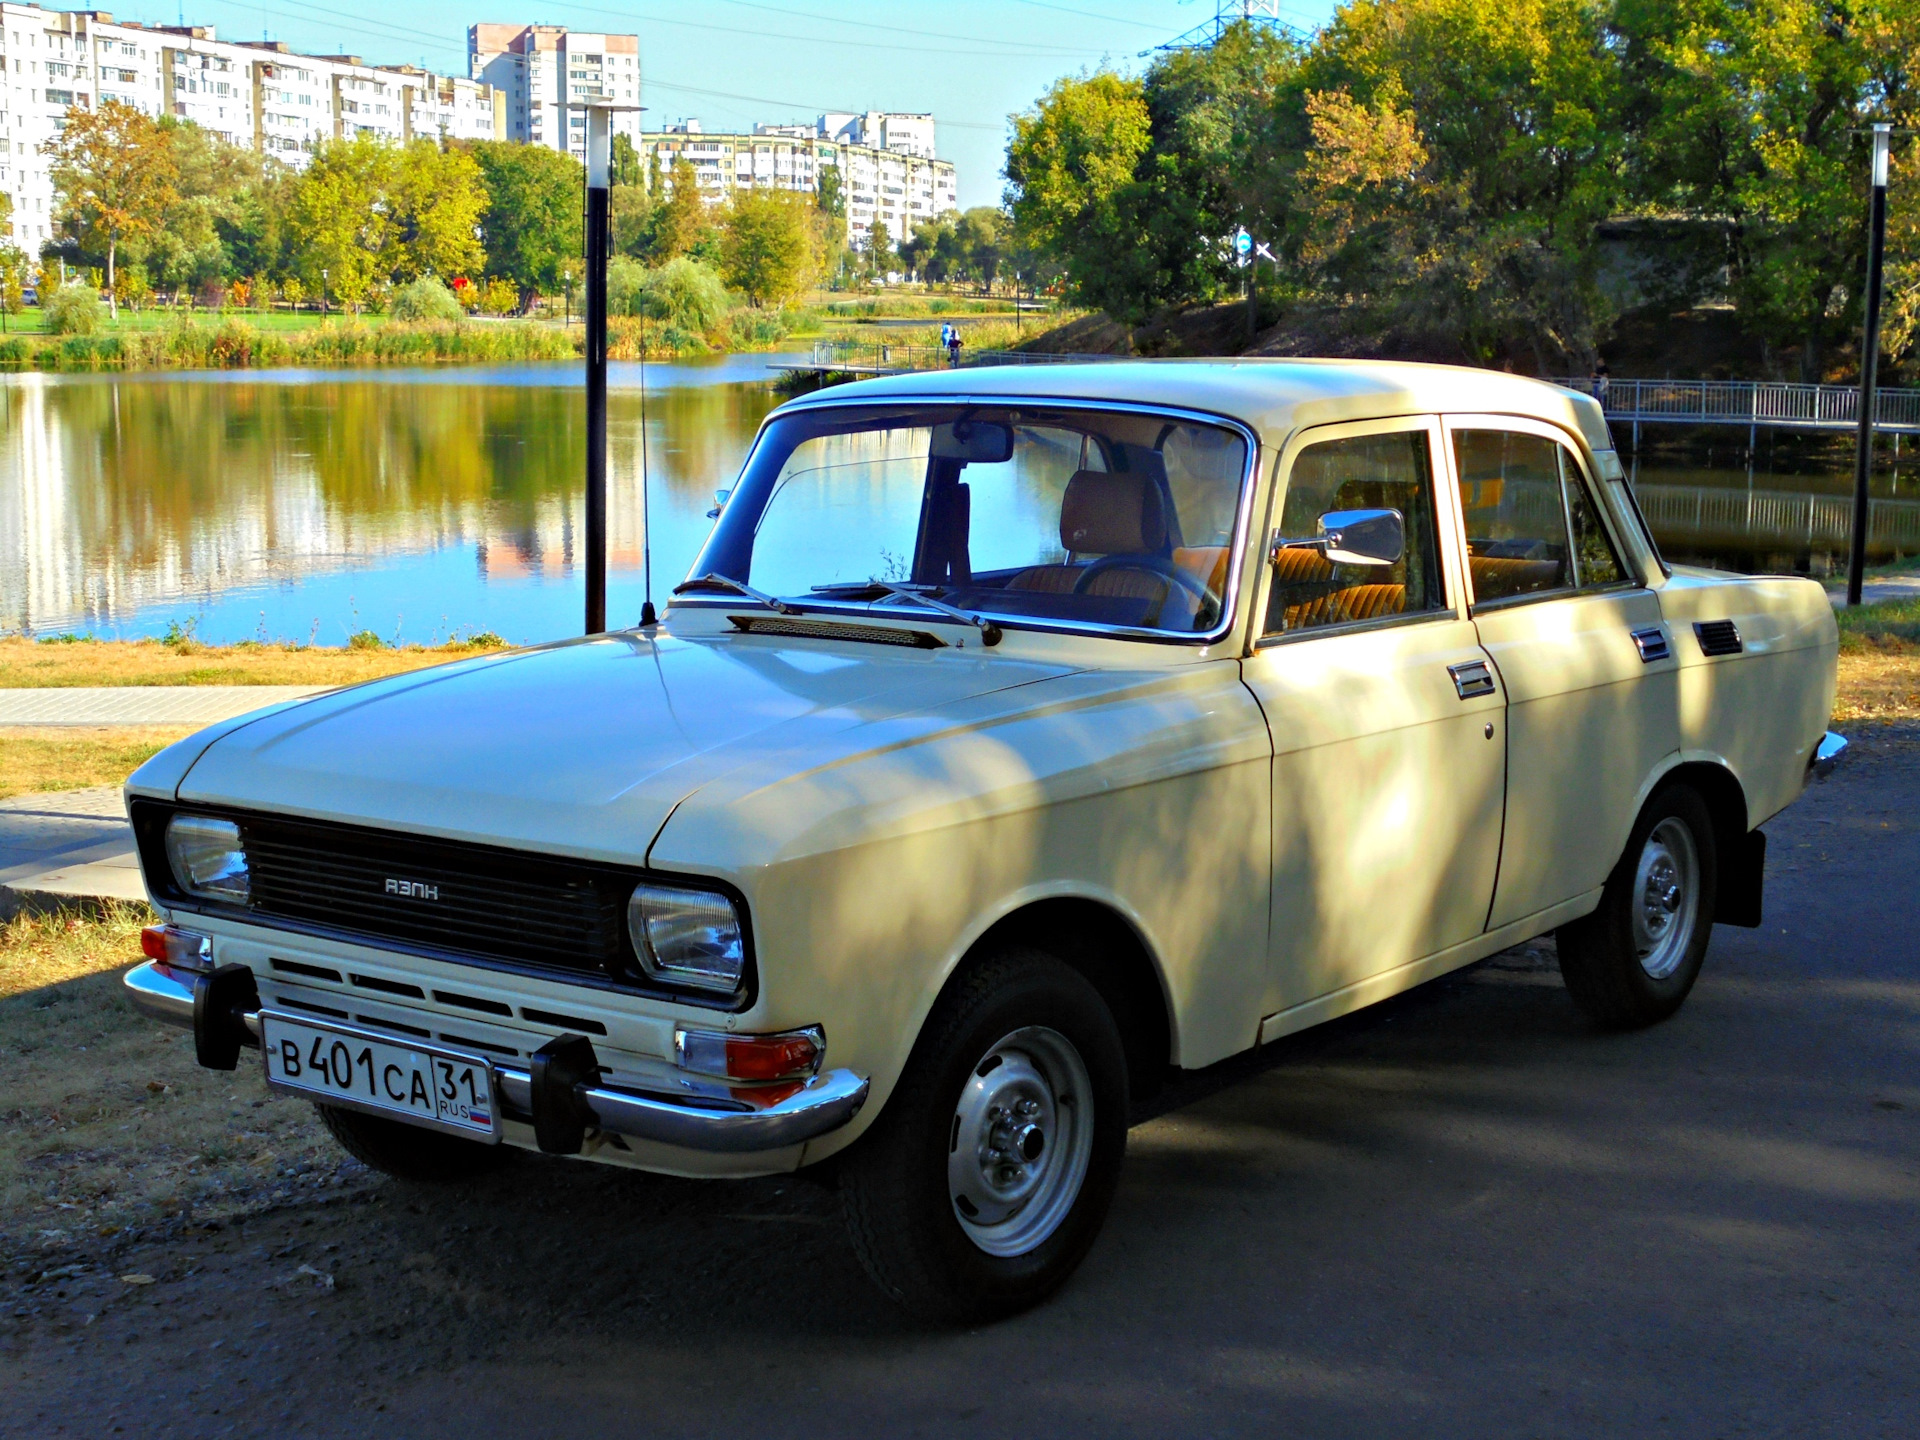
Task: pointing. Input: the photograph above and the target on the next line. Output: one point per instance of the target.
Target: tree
(767, 246)
(623, 162)
(1755, 112)
(880, 256)
(682, 221)
(228, 216)
(115, 173)
(437, 201)
(14, 270)
(533, 225)
(1070, 173)
(341, 218)
(980, 239)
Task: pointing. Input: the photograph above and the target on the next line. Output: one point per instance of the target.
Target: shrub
(72, 310)
(501, 298)
(687, 295)
(425, 299)
(626, 285)
(365, 640)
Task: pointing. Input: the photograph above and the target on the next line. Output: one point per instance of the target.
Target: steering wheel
(1206, 602)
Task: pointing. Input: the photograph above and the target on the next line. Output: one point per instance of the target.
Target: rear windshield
(1111, 518)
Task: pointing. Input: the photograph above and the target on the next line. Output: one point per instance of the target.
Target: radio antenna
(647, 614)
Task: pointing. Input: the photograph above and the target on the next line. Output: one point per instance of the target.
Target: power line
(1001, 52)
(797, 104)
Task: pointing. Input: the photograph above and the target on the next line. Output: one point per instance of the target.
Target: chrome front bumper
(825, 1103)
(1831, 750)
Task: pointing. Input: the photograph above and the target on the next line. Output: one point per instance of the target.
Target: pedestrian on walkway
(953, 346)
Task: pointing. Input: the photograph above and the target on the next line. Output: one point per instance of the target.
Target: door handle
(1471, 678)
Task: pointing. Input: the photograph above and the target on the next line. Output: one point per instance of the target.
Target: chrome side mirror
(720, 498)
(1355, 537)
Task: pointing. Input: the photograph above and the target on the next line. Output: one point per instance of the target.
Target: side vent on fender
(1652, 644)
(1718, 637)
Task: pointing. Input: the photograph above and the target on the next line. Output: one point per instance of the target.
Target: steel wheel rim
(1020, 1141)
(1666, 898)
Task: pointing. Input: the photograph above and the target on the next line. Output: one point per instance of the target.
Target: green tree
(767, 246)
(1071, 178)
(437, 200)
(533, 226)
(340, 218)
(682, 221)
(1754, 112)
(624, 162)
(980, 243)
(228, 216)
(631, 212)
(115, 174)
(14, 270)
(880, 257)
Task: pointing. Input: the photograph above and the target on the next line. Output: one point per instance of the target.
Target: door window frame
(1447, 524)
(1583, 463)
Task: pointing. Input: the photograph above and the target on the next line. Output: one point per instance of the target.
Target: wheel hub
(1669, 887)
(1021, 1138)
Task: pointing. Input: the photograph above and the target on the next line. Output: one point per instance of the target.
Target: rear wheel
(408, 1152)
(1634, 959)
(986, 1179)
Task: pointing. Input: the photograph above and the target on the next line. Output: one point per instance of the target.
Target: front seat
(1110, 512)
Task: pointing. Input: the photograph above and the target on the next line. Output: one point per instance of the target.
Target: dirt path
(1462, 1213)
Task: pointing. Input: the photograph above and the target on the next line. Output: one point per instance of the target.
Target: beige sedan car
(1021, 737)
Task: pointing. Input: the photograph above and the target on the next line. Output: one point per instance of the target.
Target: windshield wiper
(990, 633)
(727, 582)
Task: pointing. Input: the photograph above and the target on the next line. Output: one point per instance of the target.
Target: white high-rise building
(545, 71)
(900, 184)
(256, 94)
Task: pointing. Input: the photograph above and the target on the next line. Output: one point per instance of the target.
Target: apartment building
(900, 185)
(250, 93)
(545, 72)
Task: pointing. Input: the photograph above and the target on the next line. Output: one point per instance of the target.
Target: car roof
(1273, 397)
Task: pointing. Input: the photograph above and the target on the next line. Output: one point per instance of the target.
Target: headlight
(687, 937)
(207, 858)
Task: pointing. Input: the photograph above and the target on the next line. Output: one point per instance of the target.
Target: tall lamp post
(599, 184)
(1869, 362)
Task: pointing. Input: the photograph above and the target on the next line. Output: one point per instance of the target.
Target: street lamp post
(599, 183)
(1869, 362)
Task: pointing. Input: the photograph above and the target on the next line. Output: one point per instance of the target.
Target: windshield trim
(1229, 603)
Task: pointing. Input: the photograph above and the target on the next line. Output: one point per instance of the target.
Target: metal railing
(1778, 517)
(1751, 403)
(863, 357)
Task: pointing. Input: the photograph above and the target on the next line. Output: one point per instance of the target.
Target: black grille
(1718, 637)
(434, 897)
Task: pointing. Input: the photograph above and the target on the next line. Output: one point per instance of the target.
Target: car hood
(581, 748)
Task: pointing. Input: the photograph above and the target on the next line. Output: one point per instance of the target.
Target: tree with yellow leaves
(115, 173)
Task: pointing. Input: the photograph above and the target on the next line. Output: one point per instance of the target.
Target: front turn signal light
(790, 1055)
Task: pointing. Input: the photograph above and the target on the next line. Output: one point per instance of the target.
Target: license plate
(364, 1070)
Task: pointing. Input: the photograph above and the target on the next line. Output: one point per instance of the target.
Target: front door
(1591, 709)
(1387, 726)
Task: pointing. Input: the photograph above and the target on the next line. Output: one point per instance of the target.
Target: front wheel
(986, 1179)
(408, 1152)
(1633, 960)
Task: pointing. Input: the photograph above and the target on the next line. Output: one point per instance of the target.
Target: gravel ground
(1461, 1213)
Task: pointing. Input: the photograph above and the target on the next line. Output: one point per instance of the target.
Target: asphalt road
(1463, 1213)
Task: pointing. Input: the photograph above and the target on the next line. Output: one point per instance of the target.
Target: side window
(1366, 472)
(1531, 526)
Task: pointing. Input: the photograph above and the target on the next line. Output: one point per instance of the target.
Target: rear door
(1580, 648)
(1386, 721)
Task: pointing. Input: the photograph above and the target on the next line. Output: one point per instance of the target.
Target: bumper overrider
(560, 1094)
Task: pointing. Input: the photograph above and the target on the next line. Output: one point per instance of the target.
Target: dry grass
(1879, 682)
(37, 664)
(105, 1119)
(37, 758)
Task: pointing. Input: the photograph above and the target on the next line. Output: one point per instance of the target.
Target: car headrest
(1112, 513)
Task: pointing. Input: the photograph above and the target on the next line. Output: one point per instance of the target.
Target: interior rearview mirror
(978, 442)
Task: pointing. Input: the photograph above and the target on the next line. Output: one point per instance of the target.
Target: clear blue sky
(731, 62)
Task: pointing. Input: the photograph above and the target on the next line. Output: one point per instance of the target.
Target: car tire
(408, 1152)
(1635, 958)
(985, 1180)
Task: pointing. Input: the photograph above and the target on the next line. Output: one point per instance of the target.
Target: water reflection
(296, 506)
(306, 504)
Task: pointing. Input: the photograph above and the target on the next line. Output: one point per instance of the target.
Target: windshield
(1050, 514)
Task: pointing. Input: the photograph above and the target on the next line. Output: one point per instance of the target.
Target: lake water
(309, 505)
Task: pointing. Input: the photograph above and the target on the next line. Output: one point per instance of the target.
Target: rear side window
(1363, 472)
(1532, 529)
